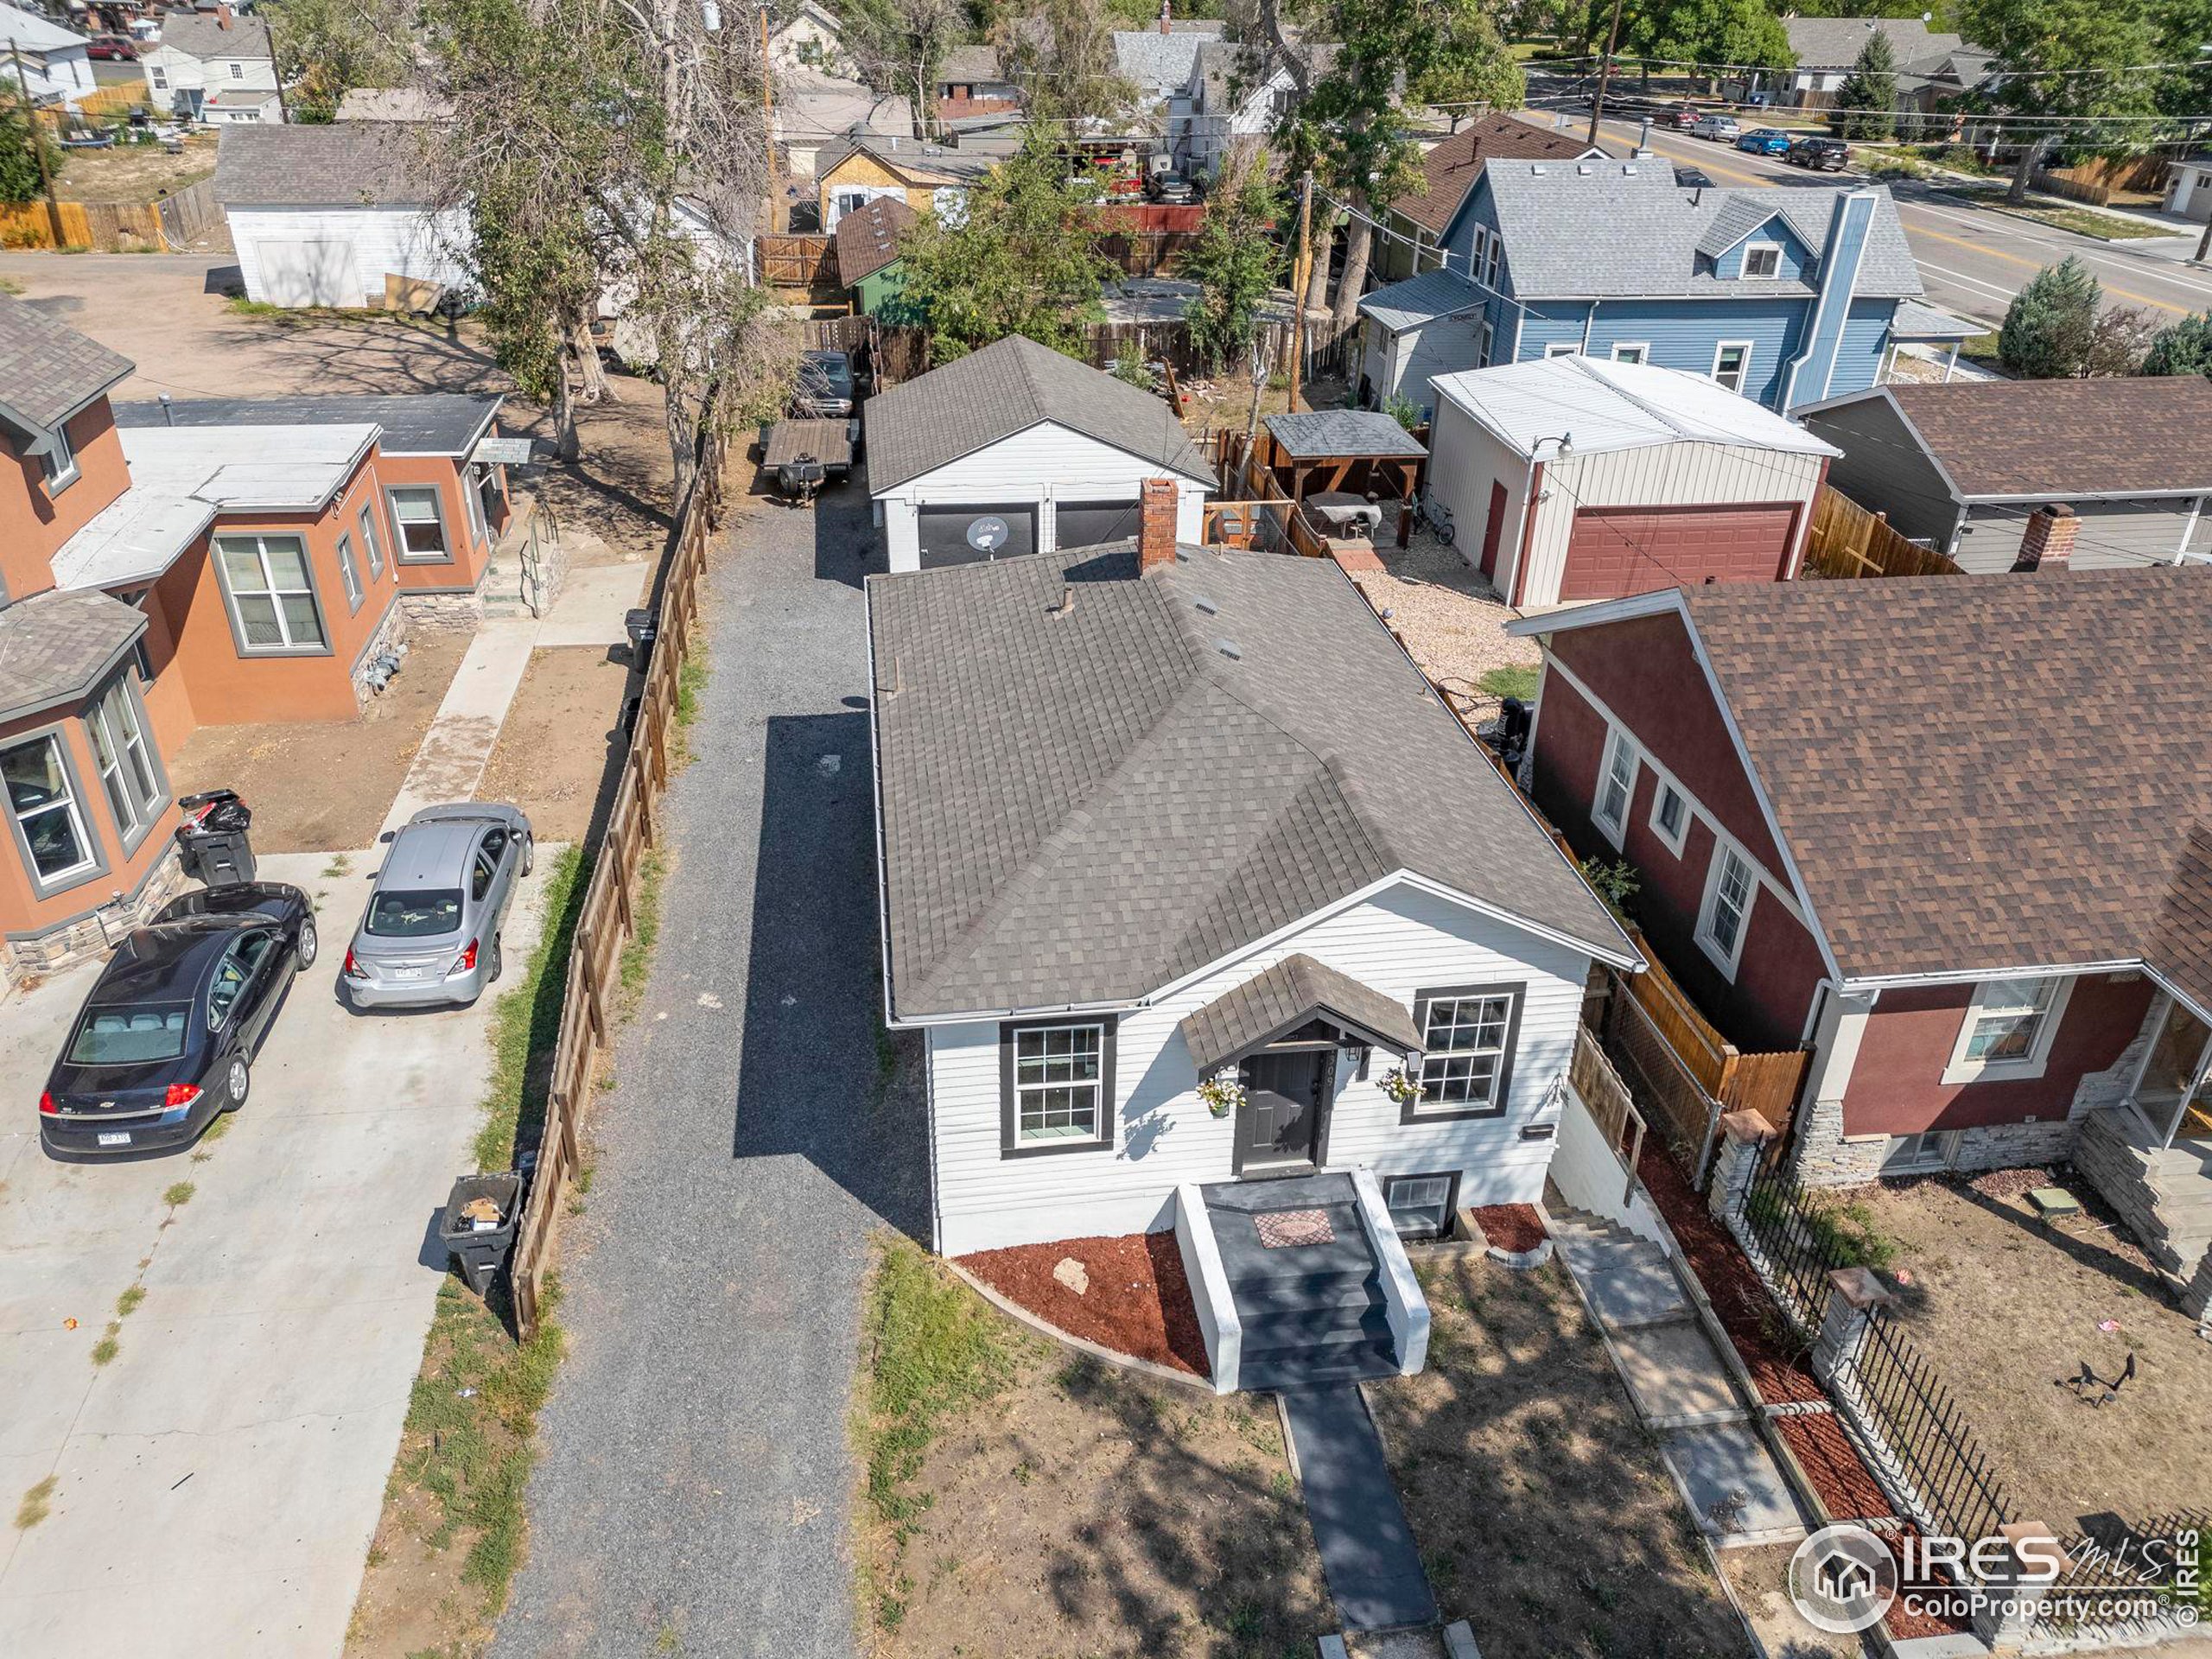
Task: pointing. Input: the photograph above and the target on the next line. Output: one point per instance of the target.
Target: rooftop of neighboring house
(1833, 44)
(48, 369)
(1160, 64)
(34, 34)
(55, 647)
(978, 61)
(813, 105)
(867, 239)
(2060, 439)
(2006, 808)
(182, 477)
(413, 423)
(1009, 386)
(1230, 71)
(1095, 781)
(914, 163)
(1608, 229)
(1454, 165)
(1608, 406)
(359, 164)
(215, 36)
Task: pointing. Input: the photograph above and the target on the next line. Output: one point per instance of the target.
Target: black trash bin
(478, 1250)
(644, 627)
(212, 842)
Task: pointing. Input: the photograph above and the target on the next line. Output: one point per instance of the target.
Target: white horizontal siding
(1043, 464)
(385, 240)
(1398, 942)
(1465, 458)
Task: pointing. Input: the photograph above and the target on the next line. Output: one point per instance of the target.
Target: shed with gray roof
(1018, 448)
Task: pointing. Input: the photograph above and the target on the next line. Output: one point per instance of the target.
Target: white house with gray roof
(1932, 64)
(1017, 449)
(1153, 816)
(50, 59)
(215, 66)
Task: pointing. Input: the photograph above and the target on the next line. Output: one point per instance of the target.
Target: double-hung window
(1616, 785)
(1468, 1033)
(371, 544)
(421, 521)
(1731, 363)
(1493, 268)
(2008, 1029)
(1056, 1084)
(128, 773)
(43, 803)
(1728, 893)
(350, 573)
(1488, 338)
(272, 595)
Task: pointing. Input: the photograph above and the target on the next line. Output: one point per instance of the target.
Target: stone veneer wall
(83, 939)
(444, 614)
(390, 634)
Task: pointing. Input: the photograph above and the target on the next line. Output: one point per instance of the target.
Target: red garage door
(1615, 551)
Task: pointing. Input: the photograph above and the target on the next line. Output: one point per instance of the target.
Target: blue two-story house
(1787, 295)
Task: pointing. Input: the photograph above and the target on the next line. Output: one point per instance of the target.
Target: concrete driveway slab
(217, 1483)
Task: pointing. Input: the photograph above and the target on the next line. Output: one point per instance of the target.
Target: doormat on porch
(1281, 1230)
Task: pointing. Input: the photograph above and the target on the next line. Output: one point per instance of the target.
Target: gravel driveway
(693, 1493)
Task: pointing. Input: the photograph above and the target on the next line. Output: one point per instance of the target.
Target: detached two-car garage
(1017, 449)
(1612, 551)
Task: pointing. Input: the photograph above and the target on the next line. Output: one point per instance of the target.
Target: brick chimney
(223, 15)
(1156, 525)
(1164, 15)
(2049, 542)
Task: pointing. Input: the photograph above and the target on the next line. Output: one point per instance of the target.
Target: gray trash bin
(480, 1252)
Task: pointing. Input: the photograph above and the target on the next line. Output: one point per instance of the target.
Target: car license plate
(116, 1138)
(406, 973)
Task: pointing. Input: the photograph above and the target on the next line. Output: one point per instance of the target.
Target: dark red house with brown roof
(1954, 835)
(1448, 172)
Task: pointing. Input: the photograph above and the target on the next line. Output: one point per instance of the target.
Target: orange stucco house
(204, 564)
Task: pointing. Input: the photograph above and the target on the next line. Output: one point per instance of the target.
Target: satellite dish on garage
(987, 534)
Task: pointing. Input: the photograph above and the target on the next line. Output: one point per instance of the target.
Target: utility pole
(38, 145)
(1604, 73)
(1302, 273)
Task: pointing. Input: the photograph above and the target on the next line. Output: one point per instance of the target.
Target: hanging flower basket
(1398, 1086)
(1222, 1093)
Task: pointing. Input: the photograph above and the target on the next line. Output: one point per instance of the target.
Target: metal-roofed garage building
(1018, 450)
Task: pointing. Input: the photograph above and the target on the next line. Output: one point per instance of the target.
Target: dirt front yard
(129, 172)
(2009, 1309)
(1024, 1502)
(558, 756)
(323, 786)
(1541, 1507)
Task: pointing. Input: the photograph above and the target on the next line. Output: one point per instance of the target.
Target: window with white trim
(45, 809)
(2008, 1029)
(1762, 262)
(59, 462)
(1057, 1082)
(1916, 1154)
(1671, 817)
(1630, 352)
(272, 595)
(1561, 348)
(125, 760)
(371, 543)
(237, 71)
(1731, 363)
(1466, 1061)
(349, 572)
(1494, 267)
(1615, 787)
(1728, 906)
(1483, 350)
(422, 520)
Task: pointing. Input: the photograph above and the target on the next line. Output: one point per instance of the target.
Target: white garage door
(309, 273)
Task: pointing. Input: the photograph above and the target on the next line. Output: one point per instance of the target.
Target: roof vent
(1229, 649)
(1628, 169)
(1206, 607)
(1583, 167)
(1537, 168)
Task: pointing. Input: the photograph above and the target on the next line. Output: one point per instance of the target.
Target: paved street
(693, 1494)
(1973, 260)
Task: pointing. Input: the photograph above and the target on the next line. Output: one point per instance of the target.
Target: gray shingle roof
(1284, 997)
(1008, 387)
(203, 36)
(978, 61)
(54, 645)
(1323, 433)
(419, 423)
(1599, 229)
(1421, 299)
(1081, 806)
(48, 369)
(1835, 42)
(368, 162)
(1158, 63)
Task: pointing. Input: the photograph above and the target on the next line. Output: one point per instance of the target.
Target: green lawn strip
(932, 1347)
(1514, 682)
(644, 915)
(526, 1019)
(2082, 221)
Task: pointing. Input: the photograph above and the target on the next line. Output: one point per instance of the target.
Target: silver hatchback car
(430, 935)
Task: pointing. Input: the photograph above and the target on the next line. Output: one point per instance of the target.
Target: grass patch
(127, 1304)
(107, 1347)
(304, 316)
(2064, 216)
(1845, 1234)
(638, 955)
(179, 1194)
(1982, 348)
(1514, 681)
(10, 285)
(526, 1020)
(37, 1503)
(339, 865)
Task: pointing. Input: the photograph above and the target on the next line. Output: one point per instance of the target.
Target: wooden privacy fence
(607, 921)
(802, 261)
(163, 226)
(1600, 1088)
(1849, 541)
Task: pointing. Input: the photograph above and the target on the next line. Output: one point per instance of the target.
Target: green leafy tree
(2185, 29)
(898, 44)
(21, 137)
(1869, 92)
(2185, 348)
(325, 49)
(1019, 261)
(2065, 58)
(1731, 37)
(1235, 260)
(2051, 326)
(1061, 53)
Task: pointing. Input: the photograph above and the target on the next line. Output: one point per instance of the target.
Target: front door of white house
(1285, 1092)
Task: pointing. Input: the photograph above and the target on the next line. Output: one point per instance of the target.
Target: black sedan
(1820, 154)
(167, 1039)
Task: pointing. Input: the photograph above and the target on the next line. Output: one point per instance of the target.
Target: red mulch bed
(1514, 1228)
(1731, 1284)
(1138, 1301)
(1833, 1466)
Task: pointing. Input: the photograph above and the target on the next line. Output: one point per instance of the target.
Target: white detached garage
(1018, 450)
(321, 215)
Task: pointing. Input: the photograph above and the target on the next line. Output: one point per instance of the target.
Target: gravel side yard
(1451, 621)
(1544, 1514)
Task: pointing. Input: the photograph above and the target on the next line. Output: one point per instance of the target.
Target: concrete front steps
(1305, 1329)
(1678, 1382)
(2164, 1194)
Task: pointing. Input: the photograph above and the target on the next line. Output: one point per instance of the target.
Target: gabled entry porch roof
(1272, 1004)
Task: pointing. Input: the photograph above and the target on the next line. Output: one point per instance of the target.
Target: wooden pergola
(1351, 450)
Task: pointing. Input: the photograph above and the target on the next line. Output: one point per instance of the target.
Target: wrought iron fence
(2138, 1582)
(1923, 1431)
(1779, 1224)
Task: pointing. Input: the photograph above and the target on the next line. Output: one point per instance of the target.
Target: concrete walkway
(694, 1491)
(1678, 1382)
(1359, 1526)
(463, 733)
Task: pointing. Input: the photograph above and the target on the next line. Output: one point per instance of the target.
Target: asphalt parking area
(214, 1485)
